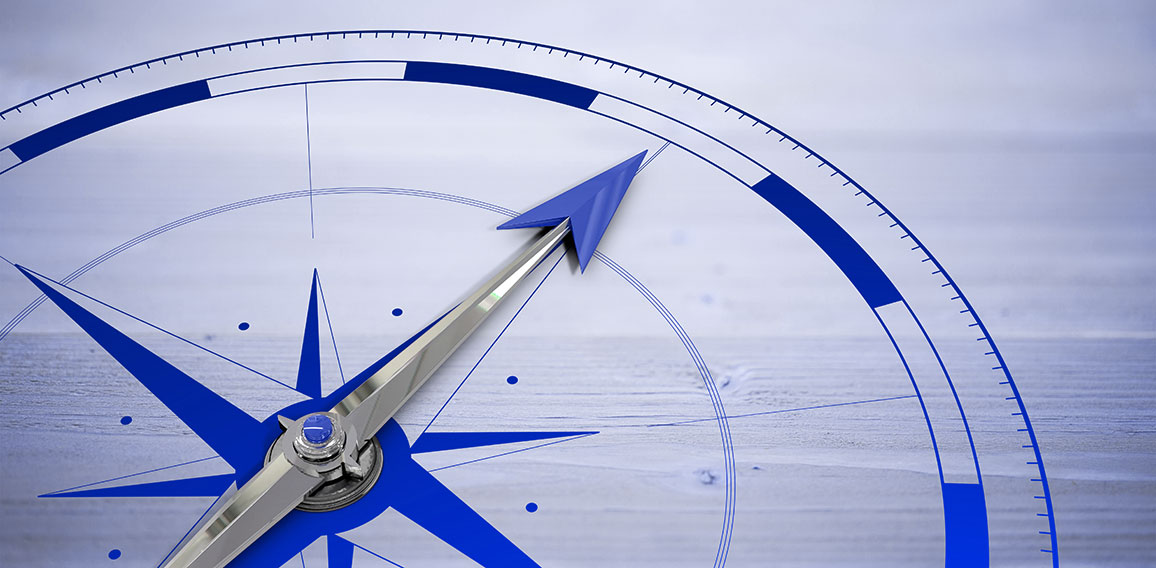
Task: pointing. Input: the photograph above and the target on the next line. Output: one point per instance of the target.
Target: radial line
(781, 411)
(487, 352)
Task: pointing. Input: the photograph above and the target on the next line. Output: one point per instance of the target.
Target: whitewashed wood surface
(842, 486)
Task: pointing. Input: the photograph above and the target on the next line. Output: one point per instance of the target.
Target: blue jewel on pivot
(126, 420)
(243, 326)
(512, 380)
(396, 312)
(114, 554)
(531, 507)
(318, 429)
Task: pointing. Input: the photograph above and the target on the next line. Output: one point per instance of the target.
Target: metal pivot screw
(320, 439)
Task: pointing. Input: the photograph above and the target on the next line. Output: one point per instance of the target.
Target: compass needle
(265, 499)
(324, 447)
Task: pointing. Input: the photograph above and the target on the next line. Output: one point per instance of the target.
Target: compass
(220, 265)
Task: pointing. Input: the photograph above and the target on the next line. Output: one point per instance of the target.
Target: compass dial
(761, 363)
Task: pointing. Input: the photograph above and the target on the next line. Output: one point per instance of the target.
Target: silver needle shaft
(285, 481)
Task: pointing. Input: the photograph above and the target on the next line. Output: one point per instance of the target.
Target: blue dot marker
(531, 507)
(396, 312)
(114, 554)
(512, 380)
(243, 326)
(126, 420)
(318, 429)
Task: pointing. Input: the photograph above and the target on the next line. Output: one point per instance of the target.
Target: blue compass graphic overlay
(964, 507)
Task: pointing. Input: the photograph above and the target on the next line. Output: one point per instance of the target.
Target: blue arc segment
(104, 117)
(849, 256)
(502, 80)
(965, 526)
(441, 441)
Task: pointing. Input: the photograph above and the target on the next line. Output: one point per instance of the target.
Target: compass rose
(332, 463)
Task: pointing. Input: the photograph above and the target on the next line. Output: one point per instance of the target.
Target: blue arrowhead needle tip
(589, 205)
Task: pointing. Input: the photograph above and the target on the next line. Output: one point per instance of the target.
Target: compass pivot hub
(318, 444)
